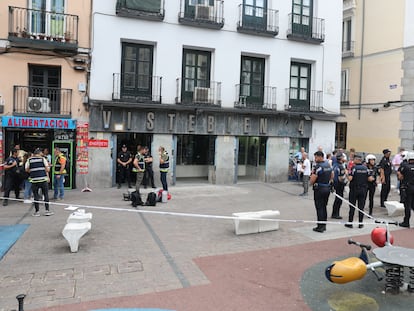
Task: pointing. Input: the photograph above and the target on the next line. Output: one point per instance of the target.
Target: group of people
(31, 172)
(332, 174)
(141, 165)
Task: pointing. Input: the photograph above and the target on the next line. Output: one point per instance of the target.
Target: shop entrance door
(66, 147)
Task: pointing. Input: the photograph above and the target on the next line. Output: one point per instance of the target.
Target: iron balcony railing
(304, 100)
(344, 96)
(206, 93)
(348, 48)
(306, 28)
(208, 15)
(45, 27)
(150, 10)
(37, 100)
(136, 88)
(258, 20)
(255, 97)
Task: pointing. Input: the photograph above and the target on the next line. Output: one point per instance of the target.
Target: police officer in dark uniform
(406, 174)
(149, 173)
(321, 179)
(124, 160)
(358, 187)
(12, 180)
(339, 182)
(385, 175)
(403, 183)
(372, 185)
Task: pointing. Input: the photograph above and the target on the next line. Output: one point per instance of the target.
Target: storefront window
(195, 150)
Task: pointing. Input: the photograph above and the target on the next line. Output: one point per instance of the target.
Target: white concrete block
(73, 232)
(79, 216)
(268, 225)
(246, 222)
(394, 208)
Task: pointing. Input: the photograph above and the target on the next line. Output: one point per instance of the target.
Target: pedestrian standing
(139, 168)
(406, 174)
(321, 179)
(149, 173)
(164, 167)
(12, 180)
(358, 187)
(27, 184)
(38, 169)
(396, 161)
(372, 185)
(306, 169)
(59, 174)
(403, 183)
(385, 175)
(124, 161)
(339, 183)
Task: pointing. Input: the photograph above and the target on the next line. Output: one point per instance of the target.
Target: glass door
(196, 73)
(252, 81)
(300, 78)
(254, 14)
(302, 17)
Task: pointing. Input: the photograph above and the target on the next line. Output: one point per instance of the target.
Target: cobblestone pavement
(129, 253)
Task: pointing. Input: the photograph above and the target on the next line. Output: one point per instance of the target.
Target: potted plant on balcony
(14, 34)
(68, 36)
(24, 33)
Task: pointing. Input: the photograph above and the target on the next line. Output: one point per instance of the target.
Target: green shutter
(140, 5)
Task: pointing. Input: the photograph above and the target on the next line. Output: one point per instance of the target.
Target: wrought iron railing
(136, 88)
(204, 94)
(39, 100)
(210, 16)
(306, 28)
(255, 97)
(308, 101)
(253, 19)
(344, 96)
(44, 26)
(348, 48)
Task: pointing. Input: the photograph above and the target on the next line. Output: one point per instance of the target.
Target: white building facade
(230, 88)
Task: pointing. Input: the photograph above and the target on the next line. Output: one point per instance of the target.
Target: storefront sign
(98, 143)
(82, 138)
(43, 123)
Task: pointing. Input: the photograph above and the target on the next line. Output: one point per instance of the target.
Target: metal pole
(20, 299)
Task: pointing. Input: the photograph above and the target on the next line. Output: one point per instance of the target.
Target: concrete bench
(246, 222)
(79, 216)
(394, 208)
(73, 231)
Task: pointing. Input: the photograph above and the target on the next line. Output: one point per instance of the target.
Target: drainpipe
(361, 68)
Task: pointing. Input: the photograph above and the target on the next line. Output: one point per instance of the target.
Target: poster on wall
(82, 138)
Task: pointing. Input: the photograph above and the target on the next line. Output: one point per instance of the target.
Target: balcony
(306, 29)
(303, 100)
(347, 49)
(202, 15)
(205, 95)
(148, 10)
(344, 97)
(135, 88)
(258, 21)
(42, 101)
(43, 29)
(255, 97)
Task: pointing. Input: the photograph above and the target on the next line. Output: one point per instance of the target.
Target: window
(300, 79)
(195, 150)
(344, 87)
(199, 9)
(196, 72)
(346, 35)
(254, 14)
(340, 135)
(47, 17)
(44, 82)
(302, 17)
(252, 80)
(139, 5)
(136, 70)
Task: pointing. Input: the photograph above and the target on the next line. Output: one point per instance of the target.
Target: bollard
(20, 299)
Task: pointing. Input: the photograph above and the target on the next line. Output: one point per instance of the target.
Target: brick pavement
(129, 254)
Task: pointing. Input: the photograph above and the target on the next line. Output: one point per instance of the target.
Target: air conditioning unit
(201, 94)
(38, 104)
(203, 12)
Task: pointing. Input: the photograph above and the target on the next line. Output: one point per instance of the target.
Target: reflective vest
(37, 170)
(58, 165)
(166, 158)
(141, 163)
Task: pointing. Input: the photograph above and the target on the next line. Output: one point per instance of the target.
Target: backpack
(151, 199)
(136, 199)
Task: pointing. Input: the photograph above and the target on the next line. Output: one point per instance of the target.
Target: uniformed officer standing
(339, 182)
(321, 179)
(372, 185)
(139, 167)
(403, 183)
(406, 174)
(124, 160)
(385, 174)
(358, 187)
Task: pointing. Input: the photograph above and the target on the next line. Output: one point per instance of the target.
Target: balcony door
(254, 14)
(302, 17)
(252, 81)
(47, 17)
(44, 86)
(196, 72)
(136, 71)
(193, 10)
(300, 79)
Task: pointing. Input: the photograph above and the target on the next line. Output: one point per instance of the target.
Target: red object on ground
(379, 236)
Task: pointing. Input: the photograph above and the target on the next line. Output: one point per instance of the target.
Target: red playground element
(379, 236)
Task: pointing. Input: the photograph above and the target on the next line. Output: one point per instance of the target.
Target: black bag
(151, 199)
(136, 199)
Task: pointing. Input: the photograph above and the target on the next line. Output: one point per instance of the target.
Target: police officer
(339, 182)
(12, 179)
(139, 167)
(403, 183)
(321, 179)
(385, 175)
(358, 187)
(164, 166)
(124, 160)
(406, 174)
(149, 173)
(372, 185)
